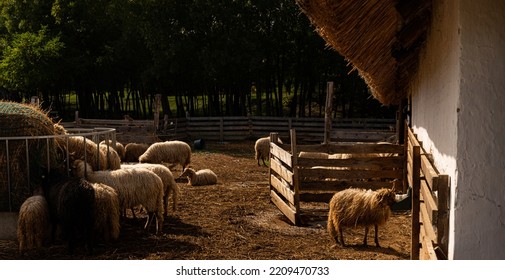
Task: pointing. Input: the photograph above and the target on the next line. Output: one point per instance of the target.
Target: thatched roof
(380, 38)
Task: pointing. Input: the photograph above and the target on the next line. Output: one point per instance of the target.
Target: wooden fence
(430, 196)
(306, 173)
(294, 178)
(309, 130)
(127, 130)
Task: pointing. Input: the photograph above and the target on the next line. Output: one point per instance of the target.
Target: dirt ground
(233, 220)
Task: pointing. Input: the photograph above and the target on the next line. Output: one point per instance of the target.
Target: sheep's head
(188, 172)
(80, 168)
(386, 197)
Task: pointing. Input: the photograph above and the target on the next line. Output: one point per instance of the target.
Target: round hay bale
(25, 172)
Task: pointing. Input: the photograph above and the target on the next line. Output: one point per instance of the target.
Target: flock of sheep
(87, 206)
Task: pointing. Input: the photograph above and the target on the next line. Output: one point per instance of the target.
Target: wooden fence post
(296, 179)
(156, 109)
(443, 213)
(221, 130)
(77, 120)
(327, 112)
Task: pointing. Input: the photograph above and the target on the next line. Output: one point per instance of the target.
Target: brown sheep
(358, 207)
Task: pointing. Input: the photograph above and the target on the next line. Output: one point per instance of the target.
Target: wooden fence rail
(309, 130)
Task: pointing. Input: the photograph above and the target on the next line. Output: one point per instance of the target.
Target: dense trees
(207, 57)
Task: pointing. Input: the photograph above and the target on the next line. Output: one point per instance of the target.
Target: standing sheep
(358, 207)
(136, 186)
(262, 149)
(169, 185)
(111, 158)
(34, 224)
(172, 152)
(200, 177)
(80, 147)
(120, 149)
(71, 206)
(107, 213)
(134, 150)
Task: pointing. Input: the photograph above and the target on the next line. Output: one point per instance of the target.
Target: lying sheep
(170, 187)
(134, 150)
(262, 149)
(358, 207)
(107, 213)
(120, 149)
(171, 152)
(136, 186)
(200, 177)
(71, 204)
(34, 224)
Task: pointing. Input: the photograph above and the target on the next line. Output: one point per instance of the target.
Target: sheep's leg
(148, 221)
(331, 230)
(366, 235)
(133, 212)
(341, 237)
(376, 236)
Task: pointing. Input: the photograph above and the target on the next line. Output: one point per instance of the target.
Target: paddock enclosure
(270, 213)
(302, 175)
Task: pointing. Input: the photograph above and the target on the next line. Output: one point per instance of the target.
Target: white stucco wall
(458, 101)
(480, 203)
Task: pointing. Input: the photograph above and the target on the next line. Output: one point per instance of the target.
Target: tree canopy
(206, 57)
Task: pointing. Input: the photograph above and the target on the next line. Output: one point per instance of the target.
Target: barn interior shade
(380, 38)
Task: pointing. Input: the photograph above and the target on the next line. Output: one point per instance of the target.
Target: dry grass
(234, 220)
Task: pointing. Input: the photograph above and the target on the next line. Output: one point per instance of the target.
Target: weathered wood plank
(350, 174)
(286, 174)
(429, 172)
(353, 148)
(427, 249)
(426, 222)
(282, 188)
(429, 201)
(338, 185)
(285, 209)
(378, 163)
(316, 197)
(281, 154)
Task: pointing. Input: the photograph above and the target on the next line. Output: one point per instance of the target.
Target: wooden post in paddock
(156, 109)
(327, 112)
(296, 177)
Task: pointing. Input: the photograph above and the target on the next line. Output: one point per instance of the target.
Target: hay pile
(18, 119)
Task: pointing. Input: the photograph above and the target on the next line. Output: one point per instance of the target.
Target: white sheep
(136, 186)
(111, 157)
(106, 212)
(262, 149)
(200, 177)
(120, 149)
(358, 207)
(34, 223)
(170, 187)
(80, 147)
(170, 152)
